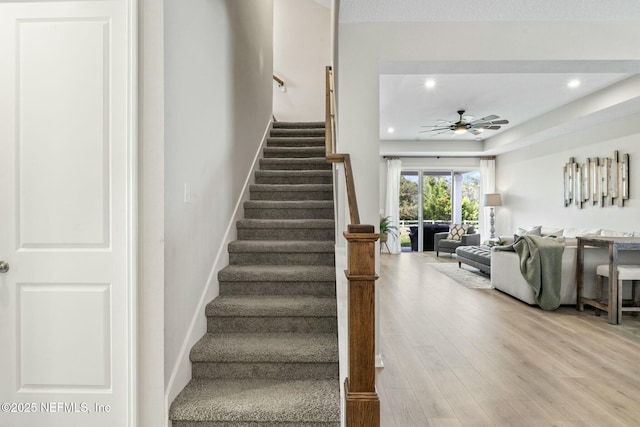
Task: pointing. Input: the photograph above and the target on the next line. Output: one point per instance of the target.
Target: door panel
(65, 214)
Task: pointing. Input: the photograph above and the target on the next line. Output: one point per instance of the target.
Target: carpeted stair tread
(275, 347)
(294, 125)
(285, 287)
(286, 229)
(286, 223)
(304, 163)
(291, 192)
(296, 132)
(272, 305)
(258, 402)
(302, 141)
(277, 273)
(301, 188)
(288, 204)
(294, 177)
(293, 152)
(286, 246)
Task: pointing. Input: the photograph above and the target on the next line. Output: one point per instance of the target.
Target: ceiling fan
(466, 124)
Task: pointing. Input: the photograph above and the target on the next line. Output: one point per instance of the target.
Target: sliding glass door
(431, 201)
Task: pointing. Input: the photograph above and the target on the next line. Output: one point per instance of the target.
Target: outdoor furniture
(429, 231)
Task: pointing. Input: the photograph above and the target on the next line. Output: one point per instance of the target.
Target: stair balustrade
(362, 402)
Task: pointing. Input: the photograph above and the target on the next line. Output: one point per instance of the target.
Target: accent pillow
(549, 231)
(575, 232)
(611, 233)
(535, 231)
(457, 231)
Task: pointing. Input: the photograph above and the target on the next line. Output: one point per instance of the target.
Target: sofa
(505, 265)
(441, 242)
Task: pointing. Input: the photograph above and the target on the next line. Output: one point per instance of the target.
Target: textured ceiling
(352, 11)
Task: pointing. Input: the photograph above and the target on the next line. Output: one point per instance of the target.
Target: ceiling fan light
(430, 84)
(573, 83)
(460, 129)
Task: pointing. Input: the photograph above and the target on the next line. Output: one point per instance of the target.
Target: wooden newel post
(362, 403)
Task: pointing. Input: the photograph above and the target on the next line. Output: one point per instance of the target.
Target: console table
(615, 244)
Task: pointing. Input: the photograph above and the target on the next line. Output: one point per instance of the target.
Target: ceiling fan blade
(433, 128)
(488, 118)
(441, 132)
(492, 127)
(483, 125)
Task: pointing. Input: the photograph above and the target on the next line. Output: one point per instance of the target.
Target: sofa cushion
(581, 232)
(480, 254)
(449, 243)
(611, 233)
(534, 231)
(551, 231)
(456, 232)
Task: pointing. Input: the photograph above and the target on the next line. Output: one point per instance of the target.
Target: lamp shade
(491, 199)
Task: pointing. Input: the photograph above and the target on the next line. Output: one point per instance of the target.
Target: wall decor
(600, 181)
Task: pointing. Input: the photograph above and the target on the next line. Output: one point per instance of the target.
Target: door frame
(132, 211)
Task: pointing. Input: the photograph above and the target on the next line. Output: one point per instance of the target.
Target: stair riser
(299, 125)
(323, 213)
(293, 180)
(321, 289)
(293, 153)
(286, 234)
(296, 132)
(213, 370)
(220, 324)
(270, 165)
(291, 195)
(296, 423)
(280, 258)
(296, 142)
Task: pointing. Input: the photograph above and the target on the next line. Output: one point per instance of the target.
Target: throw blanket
(541, 266)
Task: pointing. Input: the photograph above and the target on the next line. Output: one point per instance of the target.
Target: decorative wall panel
(604, 181)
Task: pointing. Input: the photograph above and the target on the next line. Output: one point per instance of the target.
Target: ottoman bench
(475, 256)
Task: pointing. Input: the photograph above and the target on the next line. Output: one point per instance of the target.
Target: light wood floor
(455, 356)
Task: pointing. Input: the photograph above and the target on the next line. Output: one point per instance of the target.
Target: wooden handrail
(331, 155)
(278, 80)
(362, 402)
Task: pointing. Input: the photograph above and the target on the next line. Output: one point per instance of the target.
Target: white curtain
(487, 185)
(392, 205)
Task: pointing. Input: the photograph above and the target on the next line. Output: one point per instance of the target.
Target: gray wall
(218, 104)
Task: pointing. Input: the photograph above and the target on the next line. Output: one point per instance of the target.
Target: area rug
(466, 276)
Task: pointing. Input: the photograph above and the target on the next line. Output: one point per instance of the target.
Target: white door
(65, 214)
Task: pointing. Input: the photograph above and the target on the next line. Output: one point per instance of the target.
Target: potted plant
(387, 228)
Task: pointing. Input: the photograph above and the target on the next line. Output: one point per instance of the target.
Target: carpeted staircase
(270, 356)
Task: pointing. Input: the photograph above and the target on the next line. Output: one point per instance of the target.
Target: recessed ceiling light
(573, 83)
(430, 84)
(391, 130)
